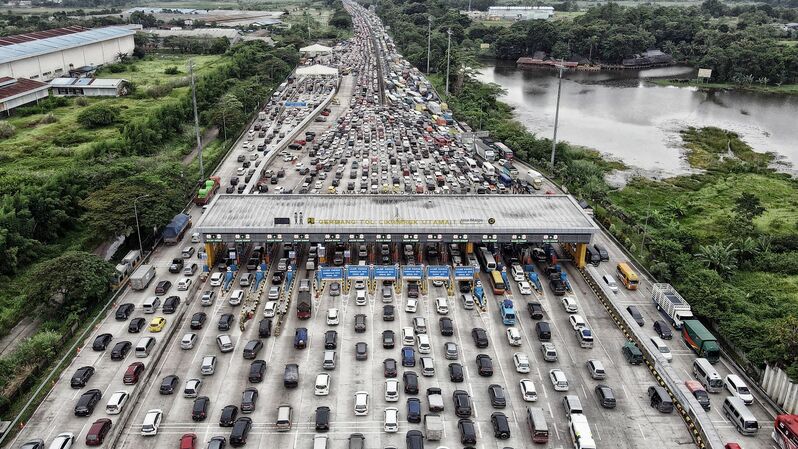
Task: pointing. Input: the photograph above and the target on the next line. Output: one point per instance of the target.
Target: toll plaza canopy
(386, 218)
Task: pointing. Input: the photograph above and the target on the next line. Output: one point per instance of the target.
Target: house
(15, 92)
(89, 87)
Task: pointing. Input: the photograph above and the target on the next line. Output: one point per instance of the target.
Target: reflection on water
(625, 117)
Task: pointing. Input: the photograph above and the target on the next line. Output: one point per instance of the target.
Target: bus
(472, 164)
(497, 282)
(486, 260)
(785, 431)
(504, 151)
(627, 276)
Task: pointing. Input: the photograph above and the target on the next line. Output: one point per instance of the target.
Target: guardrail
(697, 420)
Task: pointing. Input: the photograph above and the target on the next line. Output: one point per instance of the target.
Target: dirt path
(207, 138)
(24, 329)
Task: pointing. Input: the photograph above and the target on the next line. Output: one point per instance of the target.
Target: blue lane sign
(412, 271)
(464, 273)
(335, 273)
(385, 272)
(295, 104)
(357, 271)
(438, 272)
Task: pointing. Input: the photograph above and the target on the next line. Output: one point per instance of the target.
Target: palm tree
(719, 258)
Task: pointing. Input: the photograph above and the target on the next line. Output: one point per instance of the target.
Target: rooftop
(229, 33)
(42, 42)
(474, 214)
(83, 82)
(14, 87)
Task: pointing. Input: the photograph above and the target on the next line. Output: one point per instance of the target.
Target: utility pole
(448, 58)
(138, 228)
(556, 118)
(196, 119)
(469, 5)
(429, 40)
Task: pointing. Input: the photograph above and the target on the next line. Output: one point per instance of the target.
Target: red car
(98, 431)
(187, 441)
(732, 446)
(132, 374)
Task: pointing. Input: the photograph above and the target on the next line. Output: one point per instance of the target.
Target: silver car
(450, 349)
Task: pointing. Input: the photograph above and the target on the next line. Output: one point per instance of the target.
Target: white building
(314, 50)
(89, 87)
(520, 12)
(15, 92)
(44, 55)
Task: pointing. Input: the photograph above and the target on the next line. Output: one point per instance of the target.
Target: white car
(216, 279)
(437, 283)
(391, 420)
(513, 336)
(569, 302)
(184, 284)
(558, 380)
(116, 402)
(152, 420)
(525, 288)
(662, 348)
(360, 298)
(188, 340)
(412, 305)
(332, 317)
(521, 362)
(361, 403)
(577, 322)
(391, 390)
(360, 284)
(274, 293)
(63, 441)
(236, 297)
(322, 385)
(195, 237)
(269, 309)
(192, 388)
(528, 391)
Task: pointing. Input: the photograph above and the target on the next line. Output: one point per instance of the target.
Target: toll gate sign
(412, 272)
(464, 273)
(331, 273)
(357, 271)
(385, 272)
(438, 272)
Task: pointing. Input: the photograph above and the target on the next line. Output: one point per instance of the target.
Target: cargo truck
(671, 304)
(484, 151)
(304, 305)
(505, 179)
(433, 427)
(435, 399)
(142, 277)
(207, 191)
(534, 179)
(580, 432)
(175, 230)
(701, 340)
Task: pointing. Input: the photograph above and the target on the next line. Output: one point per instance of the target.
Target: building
(316, 70)
(649, 58)
(44, 55)
(89, 87)
(520, 12)
(15, 92)
(311, 51)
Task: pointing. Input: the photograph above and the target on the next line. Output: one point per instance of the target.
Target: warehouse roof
(474, 214)
(91, 82)
(318, 48)
(16, 48)
(15, 87)
(37, 35)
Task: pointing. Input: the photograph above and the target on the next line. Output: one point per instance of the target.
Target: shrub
(98, 116)
(171, 71)
(48, 118)
(82, 101)
(159, 91)
(7, 130)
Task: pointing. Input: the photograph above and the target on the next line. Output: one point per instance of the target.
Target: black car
(217, 442)
(455, 372)
(535, 310)
(361, 350)
(323, 418)
(480, 337)
(501, 427)
(168, 384)
(636, 315)
(388, 339)
(241, 427)
(136, 325)
(200, 410)
(170, 304)
(388, 312)
(123, 312)
(225, 322)
(120, 350)
(330, 340)
(265, 328)
(414, 410)
(497, 398)
(198, 320)
(33, 444)
(389, 368)
(229, 413)
(360, 323)
(87, 402)
(248, 400)
(447, 327)
(663, 329)
(484, 365)
(462, 403)
(277, 278)
(81, 376)
(410, 380)
(101, 342)
(252, 348)
(468, 432)
(256, 371)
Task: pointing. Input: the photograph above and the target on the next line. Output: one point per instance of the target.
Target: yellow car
(157, 324)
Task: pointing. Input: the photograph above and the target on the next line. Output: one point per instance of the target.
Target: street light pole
(138, 228)
(429, 40)
(448, 58)
(556, 118)
(196, 120)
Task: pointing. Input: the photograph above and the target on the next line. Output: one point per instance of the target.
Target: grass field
(789, 89)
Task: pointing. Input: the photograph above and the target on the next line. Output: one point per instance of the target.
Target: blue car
(414, 410)
(408, 356)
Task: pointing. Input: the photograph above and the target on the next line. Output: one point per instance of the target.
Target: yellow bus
(627, 276)
(498, 282)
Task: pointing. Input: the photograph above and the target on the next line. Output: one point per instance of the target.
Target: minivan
(144, 346)
(706, 374)
(543, 330)
(738, 388)
(536, 421)
(423, 344)
(735, 410)
(571, 404)
(468, 301)
(408, 336)
(208, 366)
(284, 413)
(605, 396)
(329, 360)
(151, 304)
(441, 306)
(660, 399)
(611, 284)
(632, 353)
(427, 367)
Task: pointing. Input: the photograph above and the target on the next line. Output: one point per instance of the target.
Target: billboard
(464, 273)
(357, 271)
(412, 271)
(385, 272)
(438, 272)
(705, 73)
(331, 273)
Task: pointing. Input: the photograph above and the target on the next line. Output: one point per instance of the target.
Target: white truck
(484, 151)
(433, 427)
(435, 399)
(142, 277)
(535, 179)
(580, 432)
(671, 304)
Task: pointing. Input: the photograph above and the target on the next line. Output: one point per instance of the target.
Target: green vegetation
(712, 148)
(789, 89)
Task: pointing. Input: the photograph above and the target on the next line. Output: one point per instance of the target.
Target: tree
(719, 258)
(145, 20)
(98, 116)
(748, 205)
(228, 113)
(560, 50)
(71, 282)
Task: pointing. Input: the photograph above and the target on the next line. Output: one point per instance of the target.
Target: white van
(517, 272)
(151, 304)
(742, 418)
(441, 306)
(610, 283)
(706, 374)
(738, 388)
(662, 348)
(208, 366)
(423, 344)
(329, 360)
(427, 367)
(144, 346)
(320, 442)
(468, 301)
(408, 336)
(284, 413)
(420, 325)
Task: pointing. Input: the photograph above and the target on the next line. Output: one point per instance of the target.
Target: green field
(789, 89)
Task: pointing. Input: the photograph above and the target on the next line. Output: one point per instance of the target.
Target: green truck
(701, 340)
